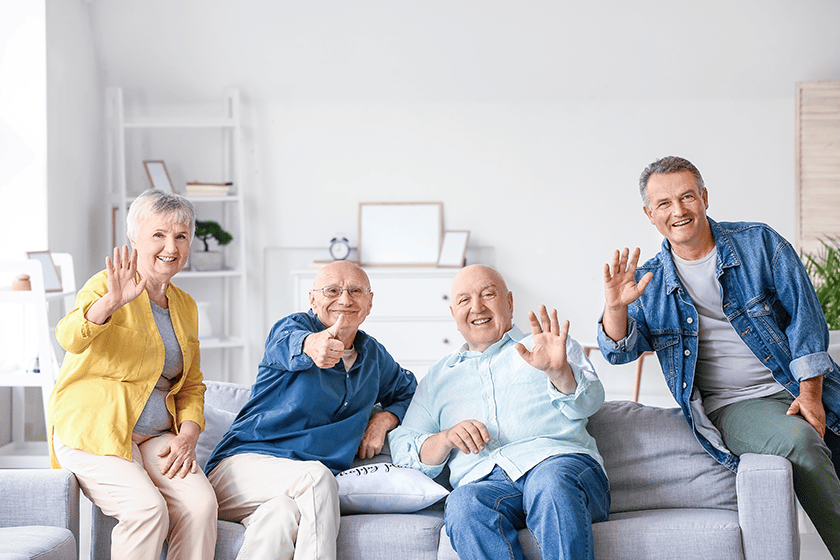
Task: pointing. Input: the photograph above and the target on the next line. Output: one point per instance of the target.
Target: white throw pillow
(216, 423)
(386, 488)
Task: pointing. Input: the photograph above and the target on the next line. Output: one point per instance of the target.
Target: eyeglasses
(333, 292)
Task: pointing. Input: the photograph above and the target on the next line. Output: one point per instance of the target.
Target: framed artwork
(400, 233)
(158, 175)
(52, 280)
(453, 249)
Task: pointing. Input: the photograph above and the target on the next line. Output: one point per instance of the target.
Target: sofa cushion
(386, 488)
(37, 541)
(694, 534)
(226, 396)
(653, 460)
(216, 423)
(390, 536)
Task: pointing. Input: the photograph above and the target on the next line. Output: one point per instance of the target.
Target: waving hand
(549, 351)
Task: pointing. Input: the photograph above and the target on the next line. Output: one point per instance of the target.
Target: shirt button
(766, 307)
(685, 385)
(689, 320)
(345, 404)
(687, 352)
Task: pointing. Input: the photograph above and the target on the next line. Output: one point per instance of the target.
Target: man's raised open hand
(549, 351)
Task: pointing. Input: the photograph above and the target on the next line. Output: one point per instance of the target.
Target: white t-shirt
(727, 370)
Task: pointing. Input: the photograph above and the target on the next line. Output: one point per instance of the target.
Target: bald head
(481, 305)
(340, 270)
(345, 276)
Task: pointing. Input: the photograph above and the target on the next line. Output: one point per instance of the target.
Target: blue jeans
(558, 500)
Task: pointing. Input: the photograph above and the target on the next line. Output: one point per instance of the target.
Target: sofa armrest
(767, 507)
(39, 497)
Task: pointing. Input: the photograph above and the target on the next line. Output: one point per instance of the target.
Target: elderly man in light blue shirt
(509, 413)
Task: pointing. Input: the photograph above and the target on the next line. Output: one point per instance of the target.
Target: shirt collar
(464, 353)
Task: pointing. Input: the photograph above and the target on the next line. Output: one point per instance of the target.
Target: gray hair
(156, 201)
(665, 166)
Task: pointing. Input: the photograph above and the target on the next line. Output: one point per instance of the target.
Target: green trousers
(763, 426)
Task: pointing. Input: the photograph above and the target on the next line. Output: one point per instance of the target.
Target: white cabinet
(410, 314)
(196, 144)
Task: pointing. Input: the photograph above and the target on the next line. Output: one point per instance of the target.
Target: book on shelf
(195, 188)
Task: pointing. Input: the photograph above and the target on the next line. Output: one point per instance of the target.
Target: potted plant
(824, 269)
(207, 259)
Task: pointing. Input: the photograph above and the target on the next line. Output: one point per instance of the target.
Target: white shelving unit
(27, 310)
(134, 138)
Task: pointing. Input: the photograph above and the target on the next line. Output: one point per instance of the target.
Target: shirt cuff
(811, 365)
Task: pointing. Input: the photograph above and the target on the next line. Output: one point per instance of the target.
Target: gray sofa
(669, 498)
(39, 514)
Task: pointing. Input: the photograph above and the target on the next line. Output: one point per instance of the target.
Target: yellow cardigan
(109, 371)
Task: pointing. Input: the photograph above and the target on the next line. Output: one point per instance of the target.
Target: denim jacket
(766, 296)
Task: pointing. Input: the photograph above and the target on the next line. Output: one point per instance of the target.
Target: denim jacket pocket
(765, 317)
(666, 346)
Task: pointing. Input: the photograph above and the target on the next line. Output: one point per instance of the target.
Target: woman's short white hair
(156, 201)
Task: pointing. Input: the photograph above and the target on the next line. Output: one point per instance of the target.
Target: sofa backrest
(654, 461)
(651, 456)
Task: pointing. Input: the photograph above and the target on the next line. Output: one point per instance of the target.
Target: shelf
(116, 199)
(229, 198)
(21, 379)
(150, 122)
(25, 455)
(223, 342)
(224, 273)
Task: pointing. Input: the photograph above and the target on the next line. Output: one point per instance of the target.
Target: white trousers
(289, 508)
(148, 506)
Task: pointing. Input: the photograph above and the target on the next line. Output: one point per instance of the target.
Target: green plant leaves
(824, 269)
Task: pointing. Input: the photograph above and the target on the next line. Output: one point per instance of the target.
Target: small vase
(205, 327)
(206, 260)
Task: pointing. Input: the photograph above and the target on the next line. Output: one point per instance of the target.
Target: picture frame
(52, 279)
(453, 248)
(158, 175)
(400, 233)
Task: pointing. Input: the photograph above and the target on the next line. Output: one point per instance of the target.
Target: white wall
(75, 138)
(23, 129)
(23, 154)
(531, 121)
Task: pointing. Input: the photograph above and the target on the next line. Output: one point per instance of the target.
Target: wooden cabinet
(410, 314)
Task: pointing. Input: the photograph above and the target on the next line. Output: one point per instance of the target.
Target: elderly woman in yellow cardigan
(127, 408)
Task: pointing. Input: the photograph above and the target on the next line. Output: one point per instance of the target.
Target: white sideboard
(410, 314)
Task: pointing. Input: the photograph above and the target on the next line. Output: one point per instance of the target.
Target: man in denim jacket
(731, 313)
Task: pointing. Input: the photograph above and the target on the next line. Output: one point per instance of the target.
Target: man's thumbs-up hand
(324, 347)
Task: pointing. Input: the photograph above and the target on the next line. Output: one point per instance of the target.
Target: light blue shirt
(527, 418)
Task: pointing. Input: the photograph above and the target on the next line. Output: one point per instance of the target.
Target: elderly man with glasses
(309, 414)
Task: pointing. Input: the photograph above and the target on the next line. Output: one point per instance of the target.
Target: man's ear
(705, 196)
(311, 299)
(648, 213)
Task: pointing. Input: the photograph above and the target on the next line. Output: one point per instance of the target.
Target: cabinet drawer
(398, 294)
(411, 297)
(416, 341)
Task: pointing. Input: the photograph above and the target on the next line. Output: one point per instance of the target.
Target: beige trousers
(148, 506)
(289, 508)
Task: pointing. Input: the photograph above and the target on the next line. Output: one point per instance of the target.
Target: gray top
(727, 370)
(155, 419)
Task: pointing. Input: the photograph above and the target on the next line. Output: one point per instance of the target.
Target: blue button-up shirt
(527, 418)
(767, 298)
(300, 411)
